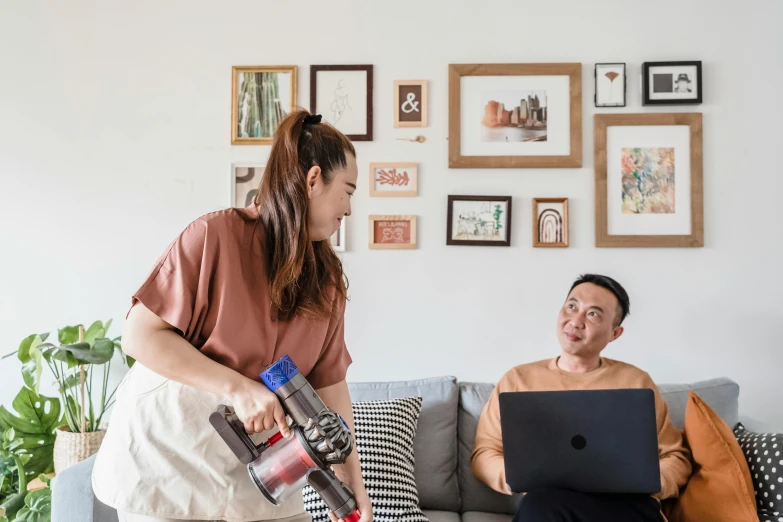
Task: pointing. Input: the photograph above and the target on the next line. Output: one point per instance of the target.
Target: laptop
(592, 441)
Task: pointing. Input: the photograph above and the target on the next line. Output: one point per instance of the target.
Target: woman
(237, 290)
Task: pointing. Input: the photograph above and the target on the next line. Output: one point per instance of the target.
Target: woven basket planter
(71, 448)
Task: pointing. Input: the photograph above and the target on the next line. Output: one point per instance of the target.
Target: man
(589, 320)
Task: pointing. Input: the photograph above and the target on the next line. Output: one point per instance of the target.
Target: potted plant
(84, 396)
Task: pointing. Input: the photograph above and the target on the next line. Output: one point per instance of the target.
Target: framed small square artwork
(479, 221)
(671, 83)
(550, 222)
(610, 85)
(343, 95)
(393, 179)
(410, 103)
(395, 232)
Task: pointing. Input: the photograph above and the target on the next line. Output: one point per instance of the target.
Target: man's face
(586, 323)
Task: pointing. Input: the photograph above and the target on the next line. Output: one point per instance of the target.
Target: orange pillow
(720, 488)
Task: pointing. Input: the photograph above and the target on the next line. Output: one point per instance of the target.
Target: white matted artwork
(394, 179)
(245, 180)
(342, 95)
(648, 183)
(515, 116)
(479, 220)
(337, 240)
(671, 83)
(610, 84)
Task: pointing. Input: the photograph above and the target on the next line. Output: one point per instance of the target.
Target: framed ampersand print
(410, 103)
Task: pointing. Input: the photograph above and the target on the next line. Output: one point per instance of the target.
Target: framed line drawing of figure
(343, 96)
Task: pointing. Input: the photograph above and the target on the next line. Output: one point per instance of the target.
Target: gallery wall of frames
(506, 116)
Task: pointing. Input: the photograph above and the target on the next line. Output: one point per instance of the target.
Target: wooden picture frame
(260, 116)
(337, 240)
(550, 225)
(677, 138)
(477, 223)
(401, 233)
(410, 111)
(394, 179)
(343, 111)
(661, 81)
(611, 77)
(539, 137)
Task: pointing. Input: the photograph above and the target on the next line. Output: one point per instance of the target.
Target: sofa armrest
(73, 499)
(757, 426)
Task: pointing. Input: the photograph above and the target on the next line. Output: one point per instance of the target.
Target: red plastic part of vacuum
(352, 517)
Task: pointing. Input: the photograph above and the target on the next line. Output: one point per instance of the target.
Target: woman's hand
(258, 408)
(363, 505)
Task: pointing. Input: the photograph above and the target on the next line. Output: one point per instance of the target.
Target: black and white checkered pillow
(384, 433)
(764, 452)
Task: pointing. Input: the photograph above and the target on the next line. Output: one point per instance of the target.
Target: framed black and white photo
(671, 83)
(610, 85)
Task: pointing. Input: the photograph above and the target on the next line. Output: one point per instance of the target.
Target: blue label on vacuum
(279, 373)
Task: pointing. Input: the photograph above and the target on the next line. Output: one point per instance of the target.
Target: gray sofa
(448, 492)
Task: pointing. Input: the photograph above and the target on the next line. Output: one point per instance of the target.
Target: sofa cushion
(764, 453)
(722, 395)
(441, 516)
(435, 445)
(476, 496)
(479, 516)
(384, 432)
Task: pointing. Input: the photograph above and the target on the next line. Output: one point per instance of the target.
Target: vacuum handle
(232, 431)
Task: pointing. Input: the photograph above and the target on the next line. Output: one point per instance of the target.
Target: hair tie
(312, 119)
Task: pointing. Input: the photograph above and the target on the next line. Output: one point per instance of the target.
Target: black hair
(623, 301)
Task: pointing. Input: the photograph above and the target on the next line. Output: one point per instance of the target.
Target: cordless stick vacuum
(282, 466)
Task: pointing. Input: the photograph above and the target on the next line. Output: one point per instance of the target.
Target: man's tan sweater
(487, 458)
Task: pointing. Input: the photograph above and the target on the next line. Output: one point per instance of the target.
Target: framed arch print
(550, 222)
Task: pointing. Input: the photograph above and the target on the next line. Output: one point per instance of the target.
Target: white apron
(161, 457)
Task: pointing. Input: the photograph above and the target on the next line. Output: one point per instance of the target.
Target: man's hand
(363, 505)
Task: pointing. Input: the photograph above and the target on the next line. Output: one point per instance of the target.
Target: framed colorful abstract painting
(479, 221)
(648, 180)
(260, 98)
(392, 232)
(342, 95)
(550, 222)
(515, 115)
(394, 179)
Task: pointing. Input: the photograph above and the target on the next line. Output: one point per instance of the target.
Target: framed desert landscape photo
(550, 222)
(342, 95)
(515, 115)
(392, 232)
(394, 179)
(410, 103)
(671, 83)
(245, 180)
(479, 221)
(648, 180)
(610, 85)
(261, 96)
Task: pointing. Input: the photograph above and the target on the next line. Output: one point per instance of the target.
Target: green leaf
(100, 353)
(32, 369)
(34, 422)
(9, 434)
(29, 342)
(95, 331)
(69, 334)
(37, 507)
(47, 351)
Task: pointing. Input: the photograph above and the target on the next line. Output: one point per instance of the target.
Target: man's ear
(312, 179)
(618, 331)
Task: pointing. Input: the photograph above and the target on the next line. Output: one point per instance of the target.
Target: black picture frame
(369, 69)
(625, 85)
(646, 66)
(465, 242)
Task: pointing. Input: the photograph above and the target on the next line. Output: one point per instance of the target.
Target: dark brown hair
(303, 275)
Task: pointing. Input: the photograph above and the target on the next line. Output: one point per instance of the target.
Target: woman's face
(330, 203)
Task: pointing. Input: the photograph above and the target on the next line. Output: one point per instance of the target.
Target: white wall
(114, 134)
